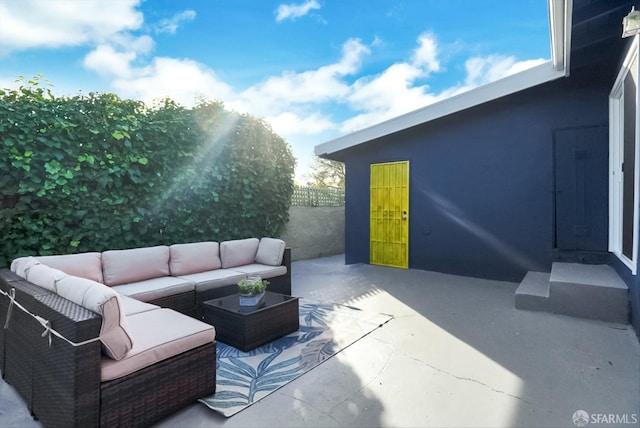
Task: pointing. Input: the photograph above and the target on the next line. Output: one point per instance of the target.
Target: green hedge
(95, 172)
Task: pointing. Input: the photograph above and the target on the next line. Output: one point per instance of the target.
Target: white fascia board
(534, 76)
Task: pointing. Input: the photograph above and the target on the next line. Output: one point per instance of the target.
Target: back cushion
(238, 252)
(137, 264)
(21, 265)
(114, 335)
(270, 251)
(44, 276)
(194, 258)
(84, 265)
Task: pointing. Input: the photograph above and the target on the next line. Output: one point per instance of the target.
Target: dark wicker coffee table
(246, 327)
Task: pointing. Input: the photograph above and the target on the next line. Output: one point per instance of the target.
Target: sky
(313, 69)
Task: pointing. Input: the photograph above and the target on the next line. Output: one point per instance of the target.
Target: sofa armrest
(282, 284)
(59, 382)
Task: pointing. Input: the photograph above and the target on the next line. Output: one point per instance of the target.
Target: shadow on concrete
(527, 368)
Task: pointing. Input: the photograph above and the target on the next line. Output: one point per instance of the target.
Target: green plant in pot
(252, 285)
(251, 290)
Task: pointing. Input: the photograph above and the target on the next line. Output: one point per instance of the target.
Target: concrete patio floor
(456, 354)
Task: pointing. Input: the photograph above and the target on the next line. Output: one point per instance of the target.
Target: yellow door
(389, 221)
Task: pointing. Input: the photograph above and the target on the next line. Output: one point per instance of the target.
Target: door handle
(404, 215)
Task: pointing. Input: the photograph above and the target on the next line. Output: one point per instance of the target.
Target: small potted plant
(251, 290)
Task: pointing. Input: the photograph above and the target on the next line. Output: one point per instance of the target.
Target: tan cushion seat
(214, 278)
(132, 306)
(156, 288)
(179, 333)
(265, 271)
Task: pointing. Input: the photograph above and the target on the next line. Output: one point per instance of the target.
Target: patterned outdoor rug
(244, 378)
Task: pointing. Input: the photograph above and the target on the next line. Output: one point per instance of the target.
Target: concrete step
(533, 292)
(588, 291)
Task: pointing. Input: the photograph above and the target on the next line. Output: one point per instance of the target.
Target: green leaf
(143, 161)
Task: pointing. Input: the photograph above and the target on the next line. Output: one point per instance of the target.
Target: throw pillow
(238, 252)
(270, 251)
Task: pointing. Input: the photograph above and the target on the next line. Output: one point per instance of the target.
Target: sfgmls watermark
(581, 418)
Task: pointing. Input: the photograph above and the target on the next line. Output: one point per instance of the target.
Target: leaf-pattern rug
(244, 378)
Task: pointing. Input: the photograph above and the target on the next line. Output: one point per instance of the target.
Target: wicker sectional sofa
(114, 338)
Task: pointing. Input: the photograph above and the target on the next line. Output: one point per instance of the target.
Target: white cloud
(483, 70)
(30, 24)
(289, 102)
(289, 123)
(114, 60)
(108, 63)
(294, 11)
(183, 80)
(309, 87)
(171, 25)
(426, 55)
(394, 91)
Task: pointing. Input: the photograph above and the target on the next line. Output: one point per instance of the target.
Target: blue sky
(313, 69)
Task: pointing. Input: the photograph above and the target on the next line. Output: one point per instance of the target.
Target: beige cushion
(179, 333)
(194, 257)
(156, 288)
(20, 265)
(99, 298)
(270, 251)
(44, 276)
(238, 252)
(132, 306)
(265, 271)
(137, 264)
(214, 278)
(84, 265)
